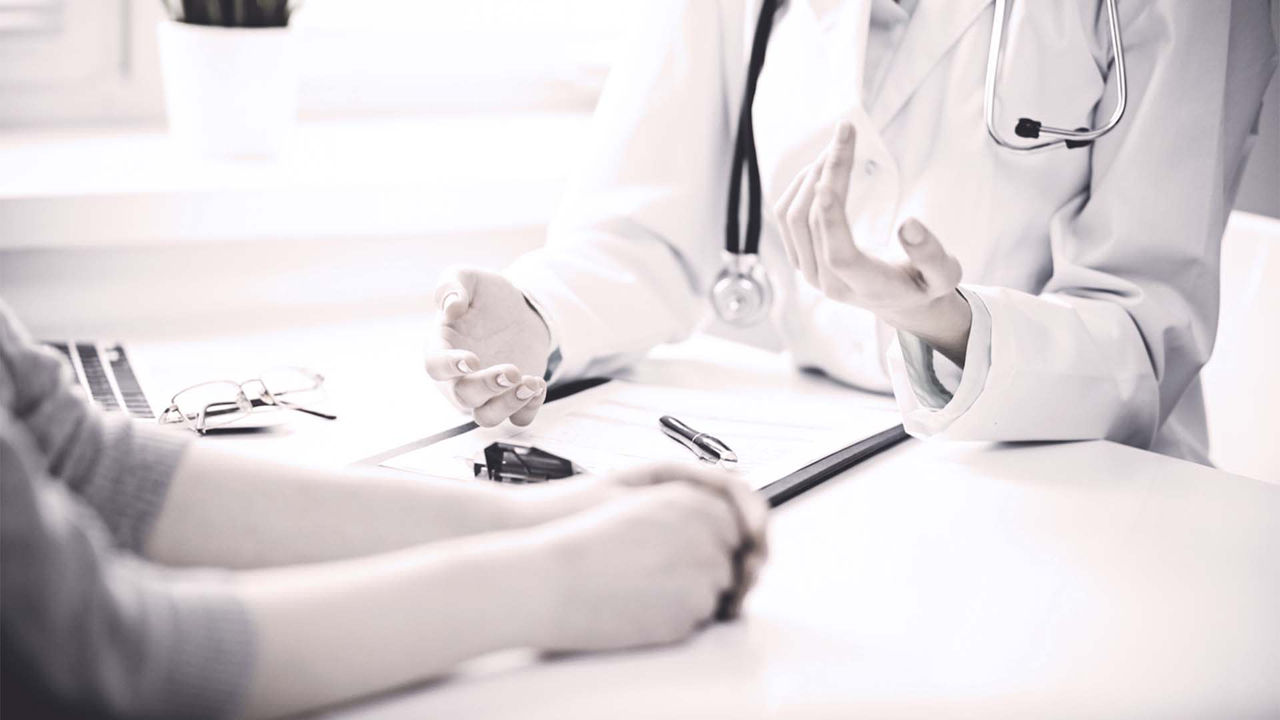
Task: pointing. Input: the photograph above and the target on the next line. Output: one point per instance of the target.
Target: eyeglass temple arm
(256, 402)
(317, 413)
(199, 424)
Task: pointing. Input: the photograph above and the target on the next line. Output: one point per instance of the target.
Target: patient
(330, 585)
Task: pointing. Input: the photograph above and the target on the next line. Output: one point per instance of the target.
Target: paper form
(615, 426)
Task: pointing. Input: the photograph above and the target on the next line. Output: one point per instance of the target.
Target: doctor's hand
(917, 296)
(490, 351)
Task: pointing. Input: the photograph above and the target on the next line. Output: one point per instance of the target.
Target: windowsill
(380, 177)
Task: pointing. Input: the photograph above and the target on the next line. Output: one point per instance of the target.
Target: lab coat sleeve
(636, 243)
(1128, 316)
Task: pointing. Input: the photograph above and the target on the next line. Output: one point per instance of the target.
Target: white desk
(1074, 580)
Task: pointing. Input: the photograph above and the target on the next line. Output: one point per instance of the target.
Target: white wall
(1260, 189)
(1242, 387)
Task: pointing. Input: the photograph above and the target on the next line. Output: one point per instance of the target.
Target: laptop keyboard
(104, 371)
(134, 399)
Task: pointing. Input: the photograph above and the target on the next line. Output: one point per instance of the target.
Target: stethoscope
(742, 293)
(1033, 129)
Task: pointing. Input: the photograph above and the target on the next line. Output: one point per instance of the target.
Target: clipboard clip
(512, 463)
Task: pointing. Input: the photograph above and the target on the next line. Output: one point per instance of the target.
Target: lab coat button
(870, 167)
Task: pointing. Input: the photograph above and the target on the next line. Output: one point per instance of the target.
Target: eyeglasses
(217, 403)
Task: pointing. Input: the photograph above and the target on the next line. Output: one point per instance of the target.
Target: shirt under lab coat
(1092, 273)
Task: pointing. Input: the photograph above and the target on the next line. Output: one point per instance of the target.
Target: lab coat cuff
(932, 392)
(554, 356)
(544, 293)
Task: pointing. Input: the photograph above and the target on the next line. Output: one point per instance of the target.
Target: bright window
(62, 59)
(445, 55)
(93, 61)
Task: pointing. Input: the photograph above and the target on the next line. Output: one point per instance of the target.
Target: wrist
(504, 586)
(534, 505)
(551, 344)
(542, 319)
(944, 323)
(534, 585)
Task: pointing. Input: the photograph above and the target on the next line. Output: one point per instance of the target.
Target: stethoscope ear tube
(1033, 129)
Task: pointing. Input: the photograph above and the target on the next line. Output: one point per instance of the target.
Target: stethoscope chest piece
(742, 293)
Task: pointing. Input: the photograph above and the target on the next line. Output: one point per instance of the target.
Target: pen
(706, 447)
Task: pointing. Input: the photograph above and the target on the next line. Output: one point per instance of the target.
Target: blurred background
(427, 132)
(423, 126)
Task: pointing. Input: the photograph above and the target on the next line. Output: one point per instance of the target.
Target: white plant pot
(229, 92)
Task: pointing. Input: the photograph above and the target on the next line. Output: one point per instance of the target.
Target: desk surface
(1072, 580)
(1080, 580)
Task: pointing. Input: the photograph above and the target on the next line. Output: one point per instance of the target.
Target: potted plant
(230, 75)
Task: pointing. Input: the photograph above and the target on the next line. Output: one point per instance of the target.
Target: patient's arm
(645, 568)
(238, 512)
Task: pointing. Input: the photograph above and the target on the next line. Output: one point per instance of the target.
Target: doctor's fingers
(506, 405)
(525, 414)
(939, 271)
(838, 257)
(797, 221)
(454, 291)
(837, 165)
(780, 212)
(473, 390)
(830, 195)
(448, 363)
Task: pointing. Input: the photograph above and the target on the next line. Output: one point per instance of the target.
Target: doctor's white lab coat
(1092, 273)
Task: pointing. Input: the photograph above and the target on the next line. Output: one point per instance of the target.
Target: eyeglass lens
(292, 386)
(211, 404)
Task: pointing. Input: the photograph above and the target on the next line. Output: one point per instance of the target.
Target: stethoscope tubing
(995, 59)
(744, 151)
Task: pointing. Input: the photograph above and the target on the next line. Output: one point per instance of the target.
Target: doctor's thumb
(919, 242)
(939, 270)
(454, 292)
(914, 233)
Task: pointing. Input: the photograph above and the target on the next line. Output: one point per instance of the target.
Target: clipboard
(820, 471)
(775, 493)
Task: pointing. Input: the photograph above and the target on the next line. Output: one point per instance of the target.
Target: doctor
(1002, 294)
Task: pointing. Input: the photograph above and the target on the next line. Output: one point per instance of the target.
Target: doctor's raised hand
(917, 296)
(490, 351)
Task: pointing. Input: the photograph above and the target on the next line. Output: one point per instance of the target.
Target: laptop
(104, 371)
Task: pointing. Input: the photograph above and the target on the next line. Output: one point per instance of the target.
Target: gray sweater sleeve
(91, 621)
(120, 468)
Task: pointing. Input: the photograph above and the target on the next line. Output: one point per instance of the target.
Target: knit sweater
(81, 614)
